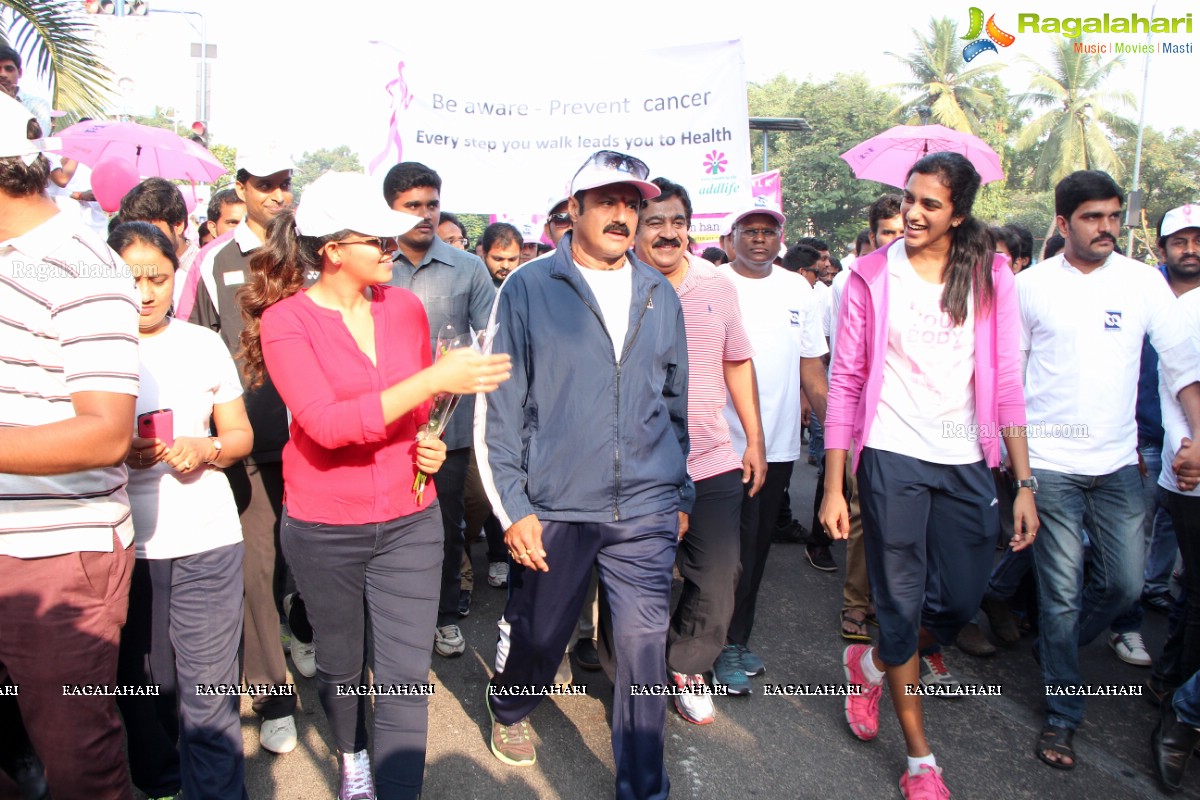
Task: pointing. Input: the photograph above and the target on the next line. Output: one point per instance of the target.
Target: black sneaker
(819, 557)
(795, 533)
(1158, 602)
(464, 602)
(586, 654)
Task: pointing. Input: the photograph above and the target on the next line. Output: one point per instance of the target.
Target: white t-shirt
(187, 369)
(783, 319)
(824, 296)
(1083, 338)
(614, 291)
(928, 373)
(1175, 424)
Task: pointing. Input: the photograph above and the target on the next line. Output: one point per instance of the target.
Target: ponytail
(276, 273)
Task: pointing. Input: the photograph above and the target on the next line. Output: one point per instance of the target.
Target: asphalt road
(758, 747)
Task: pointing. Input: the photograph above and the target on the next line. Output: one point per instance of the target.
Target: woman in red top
(351, 361)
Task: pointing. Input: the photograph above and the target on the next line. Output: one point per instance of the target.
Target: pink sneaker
(862, 710)
(925, 785)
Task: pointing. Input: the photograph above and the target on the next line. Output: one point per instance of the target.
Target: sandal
(854, 628)
(1056, 740)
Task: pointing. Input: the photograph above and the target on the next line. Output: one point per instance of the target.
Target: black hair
(409, 175)
(862, 240)
(1082, 186)
(814, 243)
(500, 233)
(446, 216)
(885, 207)
(1010, 240)
(128, 234)
(9, 54)
(800, 257)
(153, 199)
(667, 189)
(969, 264)
(1053, 245)
(543, 248)
(225, 197)
(1025, 237)
(835, 263)
(716, 255)
(18, 179)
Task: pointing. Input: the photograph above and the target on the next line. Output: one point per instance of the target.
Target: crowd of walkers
(286, 440)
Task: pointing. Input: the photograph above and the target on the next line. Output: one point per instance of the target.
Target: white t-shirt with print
(613, 289)
(928, 373)
(1083, 338)
(187, 369)
(783, 319)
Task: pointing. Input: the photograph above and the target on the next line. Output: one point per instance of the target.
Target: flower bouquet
(443, 404)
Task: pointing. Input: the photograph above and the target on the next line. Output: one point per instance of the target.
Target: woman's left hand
(188, 453)
(431, 454)
(1025, 520)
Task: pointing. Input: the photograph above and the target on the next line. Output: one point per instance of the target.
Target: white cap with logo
(14, 130)
(1178, 219)
(264, 159)
(606, 167)
(347, 201)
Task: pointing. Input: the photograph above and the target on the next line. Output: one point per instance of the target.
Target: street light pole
(203, 56)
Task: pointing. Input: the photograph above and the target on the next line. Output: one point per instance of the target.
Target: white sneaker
(448, 641)
(563, 676)
(304, 656)
(356, 777)
(1130, 648)
(498, 574)
(278, 735)
(695, 704)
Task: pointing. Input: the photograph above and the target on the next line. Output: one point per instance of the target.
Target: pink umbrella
(156, 152)
(887, 158)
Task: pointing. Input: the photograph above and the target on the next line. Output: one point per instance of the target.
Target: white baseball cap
(733, 219)
(1179, 218)
(606, 167)
(14, 129)
(264, 160)
(347, 201)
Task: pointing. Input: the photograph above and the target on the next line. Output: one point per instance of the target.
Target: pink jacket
(857, 371)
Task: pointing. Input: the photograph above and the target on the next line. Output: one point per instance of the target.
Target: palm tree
(54, 37)
(952, 94)
(1075, 130)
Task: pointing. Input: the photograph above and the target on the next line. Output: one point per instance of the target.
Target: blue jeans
(1186, 701)
(816, 437)
(1070, 613)
(1159, 540)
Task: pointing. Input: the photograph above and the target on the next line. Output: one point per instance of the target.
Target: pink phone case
(158, 424)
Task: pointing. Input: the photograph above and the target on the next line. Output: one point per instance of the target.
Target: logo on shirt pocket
(1112, 320)
(794, 315)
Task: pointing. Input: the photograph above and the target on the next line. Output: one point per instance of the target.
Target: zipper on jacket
(617, 469)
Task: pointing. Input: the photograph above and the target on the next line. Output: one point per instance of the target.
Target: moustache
(1104, 237)
(660, 242)
(618, 227)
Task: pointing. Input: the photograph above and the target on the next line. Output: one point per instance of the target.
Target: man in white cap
(70, 360)
(783, 319)
(583, 454)
(264, 183)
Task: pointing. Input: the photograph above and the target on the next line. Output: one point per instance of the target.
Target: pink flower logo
(714, 163)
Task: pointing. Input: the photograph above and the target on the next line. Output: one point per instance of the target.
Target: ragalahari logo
(995, 35)
(714, 163)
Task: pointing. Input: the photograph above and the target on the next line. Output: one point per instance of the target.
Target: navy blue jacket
(578, 434)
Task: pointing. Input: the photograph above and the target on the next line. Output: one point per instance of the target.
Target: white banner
(506, 135)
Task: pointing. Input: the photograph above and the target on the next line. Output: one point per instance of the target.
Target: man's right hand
(524, 542)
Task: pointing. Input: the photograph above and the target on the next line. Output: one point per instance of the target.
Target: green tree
(1170, 173)
(821, 196)
(955, 96)
(1076, 129)
(315, 164)
(54, 39)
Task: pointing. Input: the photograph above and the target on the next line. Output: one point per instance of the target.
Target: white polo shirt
(1082, 338)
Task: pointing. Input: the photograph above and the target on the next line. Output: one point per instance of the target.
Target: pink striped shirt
(713, 320)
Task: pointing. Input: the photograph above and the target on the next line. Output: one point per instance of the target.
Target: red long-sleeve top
(343, 466)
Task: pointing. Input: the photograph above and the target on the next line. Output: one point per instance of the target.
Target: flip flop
(854, 630)
(1058, 741)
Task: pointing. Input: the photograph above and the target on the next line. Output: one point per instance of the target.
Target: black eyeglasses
(560, 220)
(754, 233)
(386, 244)
(618, 162)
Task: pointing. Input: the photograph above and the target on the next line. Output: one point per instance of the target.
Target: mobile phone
(159, 425)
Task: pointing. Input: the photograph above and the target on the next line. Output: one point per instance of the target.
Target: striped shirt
(68, 323)
(715, 334)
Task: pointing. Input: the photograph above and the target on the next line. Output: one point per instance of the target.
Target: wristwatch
(1029, 483)
(216, 443)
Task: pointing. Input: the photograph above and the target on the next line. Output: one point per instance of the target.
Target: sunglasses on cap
(560, 220)
(618, 162)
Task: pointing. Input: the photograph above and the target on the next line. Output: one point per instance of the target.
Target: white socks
(915, 764)
(874, 676)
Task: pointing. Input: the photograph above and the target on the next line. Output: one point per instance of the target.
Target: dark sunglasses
(386, 244)
(618, 162)
(560, 220)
